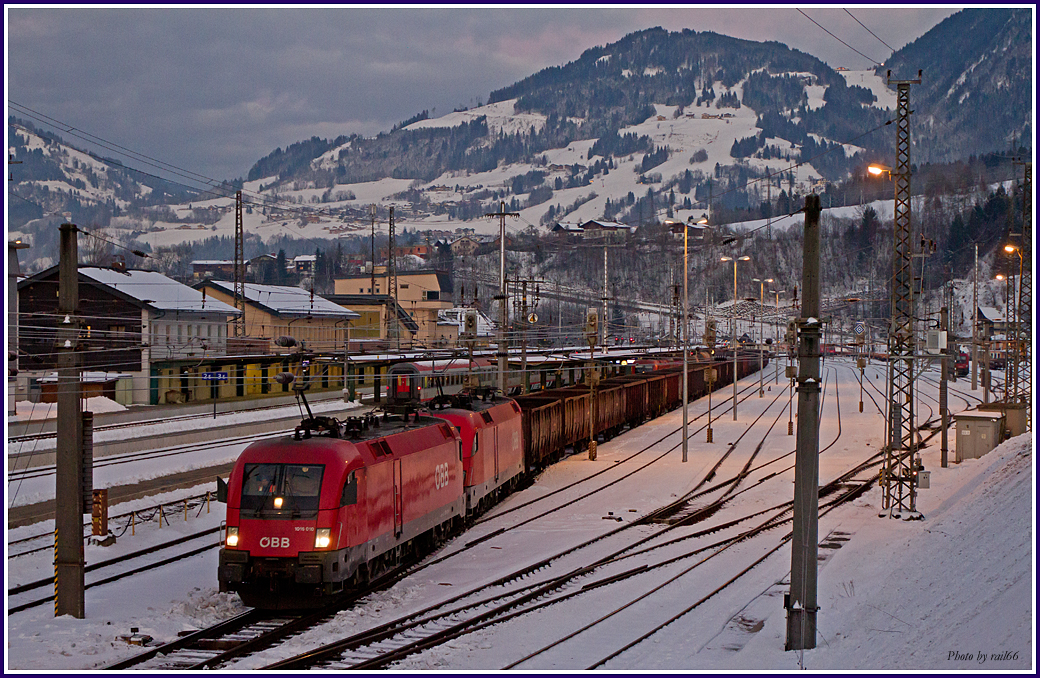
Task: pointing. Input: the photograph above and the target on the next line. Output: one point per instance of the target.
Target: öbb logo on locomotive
(441, 476)
(274, 542)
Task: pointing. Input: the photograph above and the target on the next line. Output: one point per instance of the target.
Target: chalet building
(272, 311)
(991, 321)
(202, 268)
(421, 294)
(421, 251)
(464, 246)
(567, 231)
(141, 323)
(304, 264)
(596, 229)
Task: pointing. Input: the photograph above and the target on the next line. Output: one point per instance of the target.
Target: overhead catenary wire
(876, 63)
(868, 30)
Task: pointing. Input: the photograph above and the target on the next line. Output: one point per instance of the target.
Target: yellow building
(420, 295)
(272, 311)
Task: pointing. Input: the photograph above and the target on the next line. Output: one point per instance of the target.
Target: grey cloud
(213, 90)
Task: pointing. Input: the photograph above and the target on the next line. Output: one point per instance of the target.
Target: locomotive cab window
(349, 495)
(281, 491)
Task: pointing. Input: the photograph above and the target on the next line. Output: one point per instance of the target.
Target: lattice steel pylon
(898, 477)
(1024, 327)
(392, 321)
(239, 270)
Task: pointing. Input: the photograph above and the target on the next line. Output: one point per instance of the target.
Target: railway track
(203, 416)
(273, 634)
(117, 568)
(380, 647)
(523, 590)
(249, 632)
(391, 642)
(122, 459)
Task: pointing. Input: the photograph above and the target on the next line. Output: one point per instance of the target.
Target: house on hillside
(304, 264)
(421, 251)
(141, 323)
(464, 246)
(596, 229)
(991, 321)
(567, 229)
(210, 268)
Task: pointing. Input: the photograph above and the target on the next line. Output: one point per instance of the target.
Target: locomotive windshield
(281, 490)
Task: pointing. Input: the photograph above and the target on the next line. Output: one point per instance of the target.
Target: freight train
(339, 502)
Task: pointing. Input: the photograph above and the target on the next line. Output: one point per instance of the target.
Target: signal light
(285, 377)
(285, 341)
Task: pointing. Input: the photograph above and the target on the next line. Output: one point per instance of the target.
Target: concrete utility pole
(503, 307)
(733, 325)
(944, 323)
(801, 602)
(975, 325)
(372, 263)
(68, 486)
(899, 485)
(13, 273)
(606, 321)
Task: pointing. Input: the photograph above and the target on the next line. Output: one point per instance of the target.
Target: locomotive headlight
(278, 502)
(232, 537)
(322, 538)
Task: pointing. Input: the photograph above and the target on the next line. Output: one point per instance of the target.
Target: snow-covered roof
(605, 225)
(212, 262)
(155, 290)
(289, 301)
(991, 314)
(457, 316)
(89, 377)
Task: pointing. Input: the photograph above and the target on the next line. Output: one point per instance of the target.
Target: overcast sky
(214, 90)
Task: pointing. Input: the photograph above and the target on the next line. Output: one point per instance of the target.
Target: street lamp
(776, 338)
(733, 326)
(761, 330)
(676, 227)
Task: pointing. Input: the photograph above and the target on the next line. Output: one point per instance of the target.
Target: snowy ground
(930, 595)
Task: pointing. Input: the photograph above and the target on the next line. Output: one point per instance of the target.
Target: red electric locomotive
(492, 447)
(336, 503)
